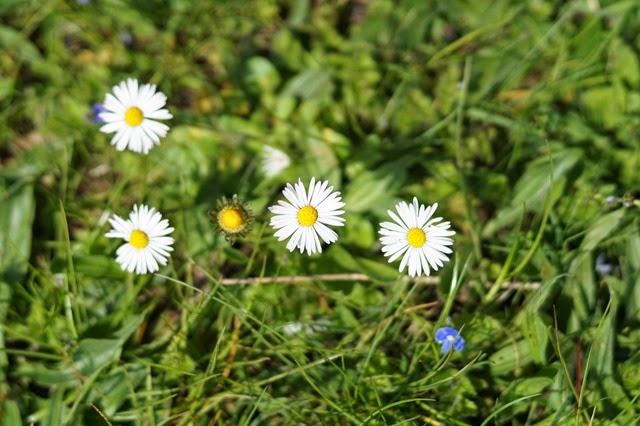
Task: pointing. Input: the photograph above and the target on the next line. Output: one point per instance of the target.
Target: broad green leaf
(371, 188)
(92, 354)
(601, 229)
(511, 359)
(605, 105)
(624, 62)
(45, 376)
(10, 414)
(19, 44)
(17, 211)
(261, 76)
(377, 271)
(309, 84)
(535, 332)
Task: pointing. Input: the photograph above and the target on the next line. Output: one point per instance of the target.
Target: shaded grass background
(519, 118)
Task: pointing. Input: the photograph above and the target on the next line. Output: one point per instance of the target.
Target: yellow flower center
(230, 219)
(138, 239)
(416, 237)
(307, 216)
(133, 116)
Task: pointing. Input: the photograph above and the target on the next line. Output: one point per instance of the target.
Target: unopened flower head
(132, 111)
(306, 215)
(147, 241)
(449, 337)
(417, 237)
(232, 218)
(273, 161)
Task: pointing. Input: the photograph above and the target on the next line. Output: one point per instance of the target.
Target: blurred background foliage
(520, 118)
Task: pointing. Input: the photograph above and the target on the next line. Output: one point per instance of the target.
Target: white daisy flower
(132, 112)
(307, 215)
(420, 238)
(273, 161)
(147, 242)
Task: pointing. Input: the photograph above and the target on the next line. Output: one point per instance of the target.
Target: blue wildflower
(447, 336)
(126, 38)
(96, 110)
(602, 266)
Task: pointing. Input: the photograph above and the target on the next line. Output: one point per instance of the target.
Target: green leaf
(45, 376)
(371, 188)
(17, 210)
(377, 271)
(605, 105)
(20, 45)
(623, 62)
(535, 332)
(92, 354)
(525, 387)
(10, 414)
(602, 228)
(309, 84)
(261, 76)
(510, 359)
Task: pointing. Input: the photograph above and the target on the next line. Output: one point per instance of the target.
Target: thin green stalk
(453, 291)
(72, 310)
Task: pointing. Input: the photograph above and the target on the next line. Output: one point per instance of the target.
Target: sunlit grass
(518, 118)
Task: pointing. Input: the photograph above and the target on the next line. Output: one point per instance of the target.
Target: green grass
(519, 118)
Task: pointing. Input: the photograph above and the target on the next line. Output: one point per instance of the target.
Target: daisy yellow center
(416, 237)
(230, 219)
(139, 239)
(307, 216)
(133, 116)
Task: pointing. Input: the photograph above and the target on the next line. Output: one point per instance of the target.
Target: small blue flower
(96, 110)
(446, 336)
(126, 38)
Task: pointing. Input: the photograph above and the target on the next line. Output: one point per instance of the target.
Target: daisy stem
(145, 174)
(471, 214)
